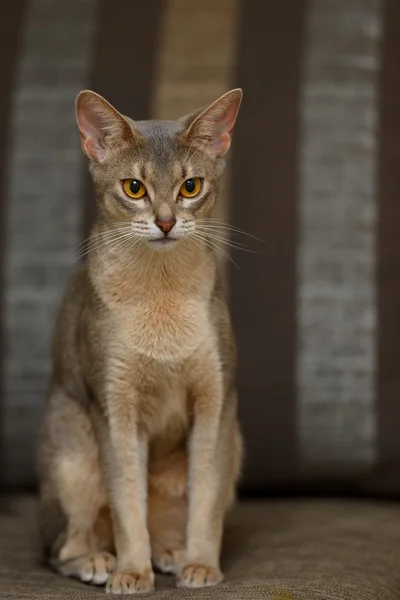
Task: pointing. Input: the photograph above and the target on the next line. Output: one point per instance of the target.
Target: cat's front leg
(124, 450)
(208, 450)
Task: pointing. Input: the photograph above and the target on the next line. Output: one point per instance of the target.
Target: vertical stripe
(264, 194)
(389, 247)
(44, 214)
(124, 62)
(10, 29)
(336, 266)
(196, 67)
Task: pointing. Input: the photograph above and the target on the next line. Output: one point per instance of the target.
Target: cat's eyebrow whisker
(188, 150)
(197, 150)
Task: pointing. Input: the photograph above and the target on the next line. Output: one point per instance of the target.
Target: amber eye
(190, 188)
(134, 188)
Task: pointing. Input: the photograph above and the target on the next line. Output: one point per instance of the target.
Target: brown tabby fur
(140, 448)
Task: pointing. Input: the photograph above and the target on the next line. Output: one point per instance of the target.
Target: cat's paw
(168, 561)
(165, 563)
(196, 575)
(128, 582)
(92, 568)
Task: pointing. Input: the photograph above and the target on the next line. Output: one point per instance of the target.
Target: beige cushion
(278, 550)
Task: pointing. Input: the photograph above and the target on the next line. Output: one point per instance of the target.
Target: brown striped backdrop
(314, 171)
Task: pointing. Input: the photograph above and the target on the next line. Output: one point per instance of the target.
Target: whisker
(216, 248)
(101, 243)
(218, 221)
(221, 252)
(197, 150)
(126, 238)
(121, 245)
(196, 244)
(226, 240)
(188, 150)
(215, 223)
(231, 245)
(128, 243)
(102, 233)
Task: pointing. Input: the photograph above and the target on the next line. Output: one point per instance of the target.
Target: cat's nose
(165, 224)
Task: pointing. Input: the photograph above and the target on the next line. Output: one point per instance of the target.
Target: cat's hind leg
(85, 555)
(167, 513)
(75, 522)
(167, 526)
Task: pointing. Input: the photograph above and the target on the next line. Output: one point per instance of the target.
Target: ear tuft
(101, 126)
(214, 125)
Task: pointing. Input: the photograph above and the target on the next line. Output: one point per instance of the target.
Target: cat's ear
(214, 125)
(101, 126)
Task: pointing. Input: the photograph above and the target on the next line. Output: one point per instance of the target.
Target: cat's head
(158, 177)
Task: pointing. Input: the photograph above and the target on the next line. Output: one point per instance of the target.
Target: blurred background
(314, 171)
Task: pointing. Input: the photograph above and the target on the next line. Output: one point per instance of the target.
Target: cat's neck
(136, 269)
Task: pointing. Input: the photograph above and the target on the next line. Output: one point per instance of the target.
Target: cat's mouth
(164, 241)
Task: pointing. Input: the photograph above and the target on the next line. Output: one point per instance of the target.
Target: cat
(140, 448)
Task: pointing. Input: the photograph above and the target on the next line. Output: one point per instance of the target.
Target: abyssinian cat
(140, 447)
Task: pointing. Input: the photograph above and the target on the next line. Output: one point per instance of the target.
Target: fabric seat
(278, 550)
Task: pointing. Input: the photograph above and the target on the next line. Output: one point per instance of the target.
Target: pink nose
(165, 224)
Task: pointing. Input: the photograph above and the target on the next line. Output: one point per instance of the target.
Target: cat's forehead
(162, 152)
(157, 130)
(162, 148)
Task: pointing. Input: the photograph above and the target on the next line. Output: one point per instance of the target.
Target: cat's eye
(134, 188)
(190, 188)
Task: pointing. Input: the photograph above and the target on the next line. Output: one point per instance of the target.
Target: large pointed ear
(214, 125)
(101, 126)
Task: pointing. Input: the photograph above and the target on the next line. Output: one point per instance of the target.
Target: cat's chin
(163, 244)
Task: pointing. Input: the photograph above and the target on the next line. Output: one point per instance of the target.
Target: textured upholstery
(278, 550)
(314, 172)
